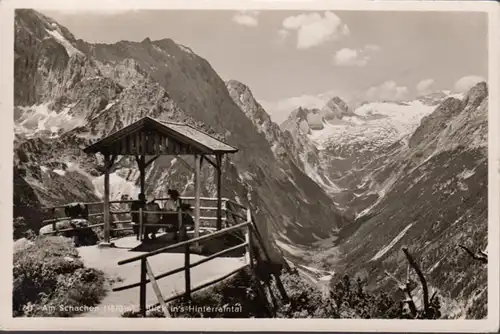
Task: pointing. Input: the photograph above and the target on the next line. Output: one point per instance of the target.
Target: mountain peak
(335, 108)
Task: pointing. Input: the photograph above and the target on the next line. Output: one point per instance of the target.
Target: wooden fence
(252, 241)
(232, 212)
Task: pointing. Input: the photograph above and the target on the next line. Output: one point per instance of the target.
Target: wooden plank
(183, 243)
(187, 273)
(248, 240)
(197, 185)
(219, 190)
(143, 143)
(123, 146)
(181, 269)
(131, 145)
(106, 198)
(164, 145)
(157, 290)
(203, 286)
(156, 142)
(142, 290)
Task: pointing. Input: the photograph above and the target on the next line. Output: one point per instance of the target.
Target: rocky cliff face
(431, 197)
(70, 93)
(286, 145)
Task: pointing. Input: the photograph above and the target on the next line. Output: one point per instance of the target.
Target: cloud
(372, 47)
(465, 83)
(388, 91)
(424, 87)
(314, 29)
(283, 34)
(247, 18)
(349, 57)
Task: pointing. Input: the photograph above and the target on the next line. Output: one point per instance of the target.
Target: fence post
(224, 209)
(54, 221)
(142, 292)
(141, 226)
(187, 273)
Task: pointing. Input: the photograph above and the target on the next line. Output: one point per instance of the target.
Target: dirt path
(115, 303)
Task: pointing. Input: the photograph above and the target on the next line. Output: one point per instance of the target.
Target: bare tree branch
(481, 256)
(416, 267)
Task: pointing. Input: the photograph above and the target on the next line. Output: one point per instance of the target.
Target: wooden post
(224, 209)
(54, 219)
(142, 291)
(197, 189)
(180, 230)
(141, 162)
(187, 273)
(157, 290)
(248, 239)
(218, 159)
(141, 225)
(107, 162)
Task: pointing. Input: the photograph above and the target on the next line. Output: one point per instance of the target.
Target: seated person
(173, 204)
(136, 205)
(152, 218)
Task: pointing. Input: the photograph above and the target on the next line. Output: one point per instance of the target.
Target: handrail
(179, 269)
(184, 243)
(202, 286)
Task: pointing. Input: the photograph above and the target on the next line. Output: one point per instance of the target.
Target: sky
(293, 58)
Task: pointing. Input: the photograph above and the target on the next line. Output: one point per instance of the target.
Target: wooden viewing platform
(153, 138)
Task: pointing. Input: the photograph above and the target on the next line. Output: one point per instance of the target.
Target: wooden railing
(252, 241)
(232, 213)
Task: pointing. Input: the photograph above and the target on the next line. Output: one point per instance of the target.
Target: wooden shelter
(152, 138)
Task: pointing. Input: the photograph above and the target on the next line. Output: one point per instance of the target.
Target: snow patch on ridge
(384, 250)
(70, 49)
(39, 118)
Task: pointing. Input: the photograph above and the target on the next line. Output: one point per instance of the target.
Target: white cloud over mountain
(467, 82)
(425, 86)
(247, 18)
(314, 29)
(389, 90)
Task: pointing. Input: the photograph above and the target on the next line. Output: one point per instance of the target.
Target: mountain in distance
(417, 171)
(352, 143)
(70, 93)
(412, 173)
(408, 173)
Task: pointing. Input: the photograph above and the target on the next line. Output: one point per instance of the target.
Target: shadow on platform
(206, 248)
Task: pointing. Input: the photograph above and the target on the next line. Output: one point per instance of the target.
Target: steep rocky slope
(434, 198)
(69, 93)
(287, 146)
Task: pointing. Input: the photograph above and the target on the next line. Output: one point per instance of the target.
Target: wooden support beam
(157, 290)
(142, 290)
(107, 167)
(184, 162)
(218, 159)
(187, 273)
(151, 160)
(210, 161)
(141, 163)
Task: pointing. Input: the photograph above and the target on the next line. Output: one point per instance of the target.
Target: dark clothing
(136, 205)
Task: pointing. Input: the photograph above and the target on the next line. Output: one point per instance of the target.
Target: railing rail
(205, 219)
